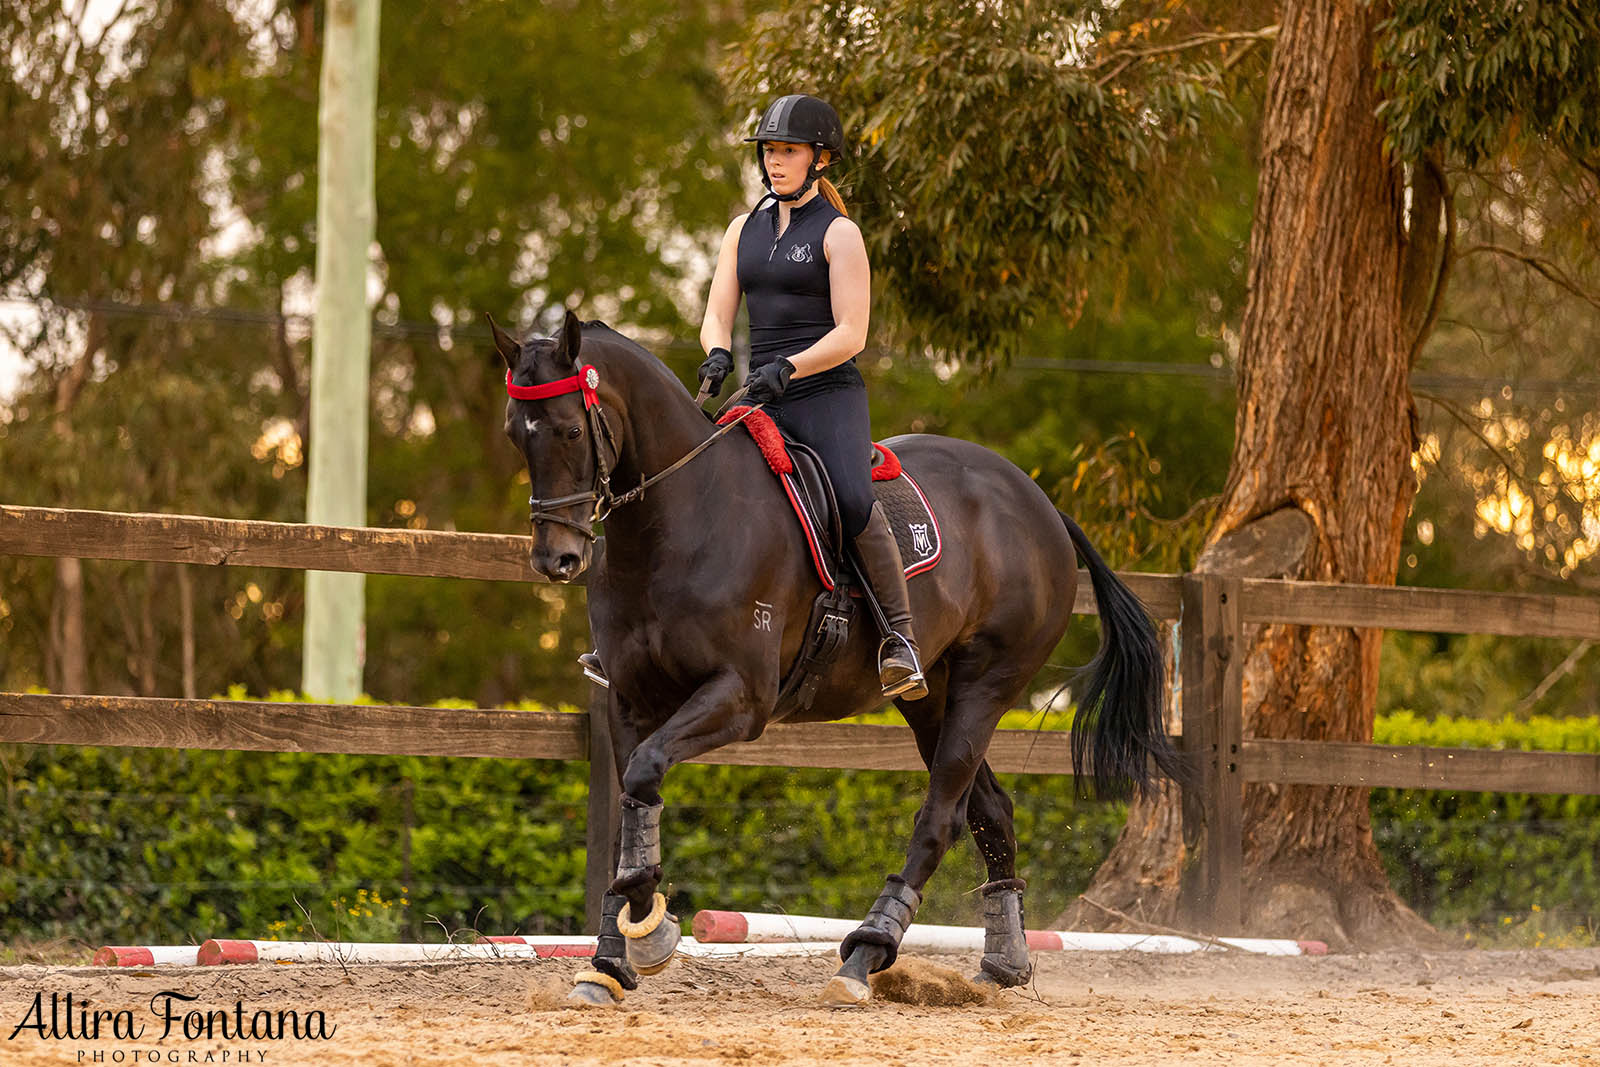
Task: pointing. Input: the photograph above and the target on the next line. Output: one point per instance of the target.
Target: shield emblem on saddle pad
(919, 539)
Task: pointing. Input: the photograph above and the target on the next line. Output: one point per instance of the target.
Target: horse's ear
(570, 341)
(504, 343)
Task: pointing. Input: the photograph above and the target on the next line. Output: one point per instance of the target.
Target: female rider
(802, 267)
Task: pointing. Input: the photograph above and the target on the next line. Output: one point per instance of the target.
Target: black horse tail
(1118, 733)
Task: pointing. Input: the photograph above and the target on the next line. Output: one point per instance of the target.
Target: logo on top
(800, 253)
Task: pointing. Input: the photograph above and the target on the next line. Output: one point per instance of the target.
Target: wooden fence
(1212, 611)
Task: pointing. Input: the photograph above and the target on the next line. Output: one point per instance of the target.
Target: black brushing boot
(874, 945)
(651, 932)
(1005, 940)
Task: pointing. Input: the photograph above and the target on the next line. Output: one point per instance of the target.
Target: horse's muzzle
(560, 566)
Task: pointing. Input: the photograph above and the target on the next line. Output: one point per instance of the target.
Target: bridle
(587, 382)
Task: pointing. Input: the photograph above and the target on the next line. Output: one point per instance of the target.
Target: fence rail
(1212, 611)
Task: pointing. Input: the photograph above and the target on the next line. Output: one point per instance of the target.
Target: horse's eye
(574, 433)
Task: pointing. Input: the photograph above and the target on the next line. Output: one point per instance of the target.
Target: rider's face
(787, 164)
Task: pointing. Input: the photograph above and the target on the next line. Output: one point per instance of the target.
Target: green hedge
(159, 846)
(1476, 859)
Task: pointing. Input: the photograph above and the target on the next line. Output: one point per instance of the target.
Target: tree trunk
(1319, 487)
(186, 623)
(68, 630)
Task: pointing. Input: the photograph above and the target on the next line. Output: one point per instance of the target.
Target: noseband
(587, 382)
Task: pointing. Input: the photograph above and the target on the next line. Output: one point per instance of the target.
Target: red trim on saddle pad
(888, 468)
(766, 435)
(938, 534)
(819, 558)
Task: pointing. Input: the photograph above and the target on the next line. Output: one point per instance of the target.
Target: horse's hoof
(652, 941)
(842, 991)
(591, 989)
(999, 976)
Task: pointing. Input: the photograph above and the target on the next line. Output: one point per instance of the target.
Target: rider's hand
(717, 366)
(768, 382)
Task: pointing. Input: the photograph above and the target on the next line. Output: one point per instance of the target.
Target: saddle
(810, 492)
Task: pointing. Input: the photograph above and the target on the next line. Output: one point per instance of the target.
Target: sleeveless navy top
(785, 282)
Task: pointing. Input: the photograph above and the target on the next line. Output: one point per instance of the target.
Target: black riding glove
(718, 365)
(768, 382)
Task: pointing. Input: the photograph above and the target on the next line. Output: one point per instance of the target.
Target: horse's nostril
(568, 564)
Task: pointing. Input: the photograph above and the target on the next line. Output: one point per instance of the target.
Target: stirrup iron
(914, 685)
(592, 670)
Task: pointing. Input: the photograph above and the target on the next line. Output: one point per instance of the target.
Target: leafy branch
(1125, 58)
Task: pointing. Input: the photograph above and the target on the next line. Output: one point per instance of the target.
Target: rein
(587, 382)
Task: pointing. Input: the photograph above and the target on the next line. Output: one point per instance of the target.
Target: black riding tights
(837, 426)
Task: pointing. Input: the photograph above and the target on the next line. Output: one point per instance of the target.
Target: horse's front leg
(721, 711)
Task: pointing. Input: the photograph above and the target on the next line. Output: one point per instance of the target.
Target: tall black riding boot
(899, 668)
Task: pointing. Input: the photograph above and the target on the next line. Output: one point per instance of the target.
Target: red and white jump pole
(762, 928)
(146, 956)
(717, 935)
(506, 947)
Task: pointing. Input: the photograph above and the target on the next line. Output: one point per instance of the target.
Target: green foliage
(1473, 78)
(1477, 858)
(143, 845)
(997, 151)
(1479, 676)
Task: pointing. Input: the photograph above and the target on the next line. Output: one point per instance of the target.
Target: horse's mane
(594, 327)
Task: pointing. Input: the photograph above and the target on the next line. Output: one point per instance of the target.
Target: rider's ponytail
(826, 188)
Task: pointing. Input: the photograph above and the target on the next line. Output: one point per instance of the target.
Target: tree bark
(1323, 443)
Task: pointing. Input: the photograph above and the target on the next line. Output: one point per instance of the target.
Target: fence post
(1213, 725)
(600, 862)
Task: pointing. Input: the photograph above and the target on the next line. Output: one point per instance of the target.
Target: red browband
(586, 381)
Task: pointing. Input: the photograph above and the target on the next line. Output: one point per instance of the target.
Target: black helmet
(798, 119)
(801, 119)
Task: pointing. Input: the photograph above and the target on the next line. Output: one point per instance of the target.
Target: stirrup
(592, 670)
(913, 686)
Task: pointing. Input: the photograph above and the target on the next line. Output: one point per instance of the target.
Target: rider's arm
(850, 286)
(722, 304)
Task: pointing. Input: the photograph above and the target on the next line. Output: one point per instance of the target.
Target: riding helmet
(801, 119)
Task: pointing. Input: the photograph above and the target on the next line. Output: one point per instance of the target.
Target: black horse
(691, 547)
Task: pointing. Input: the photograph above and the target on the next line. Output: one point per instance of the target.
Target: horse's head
(549, 418)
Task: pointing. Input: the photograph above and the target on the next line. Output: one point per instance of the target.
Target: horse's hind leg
(1005, 942)
(963, 738)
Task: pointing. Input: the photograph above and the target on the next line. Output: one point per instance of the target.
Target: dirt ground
(1458, 1008)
